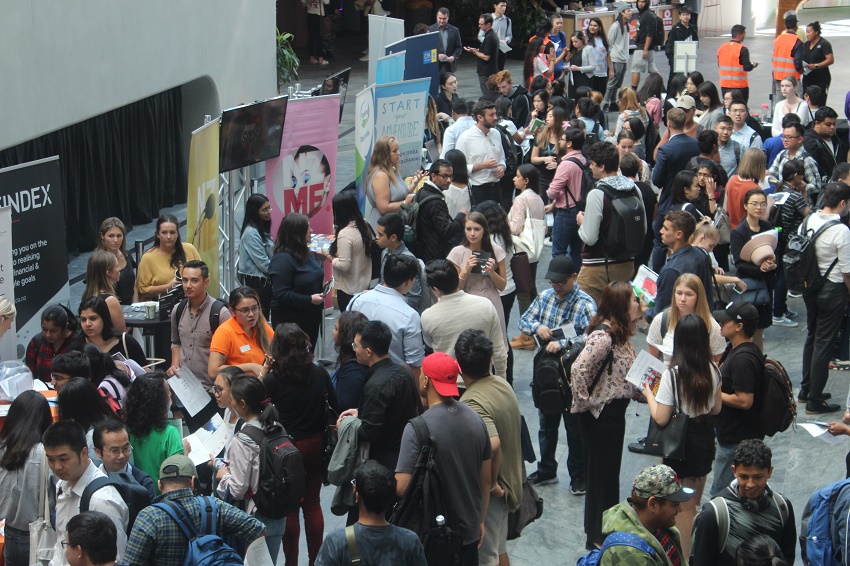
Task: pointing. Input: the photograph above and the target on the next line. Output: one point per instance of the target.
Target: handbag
(330, 437)
(530, 509)
(669, 441)
(723, 225)
(530, 240)
(521, 270)
(42, 535)
(757, 292)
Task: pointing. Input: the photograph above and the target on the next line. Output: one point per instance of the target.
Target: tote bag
(530, 240)
(42, 535)
(669, 441)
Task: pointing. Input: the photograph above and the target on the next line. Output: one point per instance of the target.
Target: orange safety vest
(783, 62)
(732, 73)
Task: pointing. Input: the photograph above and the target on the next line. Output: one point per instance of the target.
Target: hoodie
(622, 518)
(646, 26)
(597, 217)
(520, 106)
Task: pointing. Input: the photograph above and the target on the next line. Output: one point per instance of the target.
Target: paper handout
(189, 390)
(209, 439)
(646, 372)
(820, 431)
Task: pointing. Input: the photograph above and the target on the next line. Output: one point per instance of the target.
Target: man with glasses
(66, 366)
(792, 141)
(112, 445)
(91, 540)
(741, 132)
(570, 309)
(436, 231)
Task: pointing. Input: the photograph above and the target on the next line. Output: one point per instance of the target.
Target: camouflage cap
(660, 481)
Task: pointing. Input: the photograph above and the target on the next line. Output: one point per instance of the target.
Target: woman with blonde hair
(113, 239)
(102, 274)
(688, 298)
(433, 131)
(629, 108)
(750, 175)
(8, 312)
(791, 103)
(547, 149)
(386, 190)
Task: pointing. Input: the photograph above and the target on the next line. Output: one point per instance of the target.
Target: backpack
(816, 543)
(594, 135)
(651, 139)
(424, 500)
(215, 312)
(778, 408)
(802, 274)
(627, 227)
(410, 213)
(134, 495)
(550, 383)
(513, 155)
(205, 548)
(617, 538)
(282, 479)
(587, 182)
(721, 515)
(658, 36)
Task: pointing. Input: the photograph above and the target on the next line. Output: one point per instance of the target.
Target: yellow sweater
(154, 269)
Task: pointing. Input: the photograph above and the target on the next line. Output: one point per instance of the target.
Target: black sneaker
(637, 447)
(540, 479)
(578, 487)
(821, 407)
(803, 397)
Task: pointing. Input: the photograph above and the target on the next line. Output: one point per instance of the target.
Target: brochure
(482, 261)
(646, 372)
(321, 242)
(189, 390)
(207, 441)
(645, 284)
(820, 431)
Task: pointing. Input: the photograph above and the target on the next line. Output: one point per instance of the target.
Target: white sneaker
(365, 57)
(784, 322)
(547, 242)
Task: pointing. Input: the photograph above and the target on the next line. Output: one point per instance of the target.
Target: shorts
(495, 533)
(641, 65)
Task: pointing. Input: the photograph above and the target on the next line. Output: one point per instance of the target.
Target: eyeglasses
(249, 310)
(65, 544)
(738, 111)
(57, 377)
(705, 175)
(784, 137)
(757, 204)
(217, 391)
(118, 451)
(449, 177)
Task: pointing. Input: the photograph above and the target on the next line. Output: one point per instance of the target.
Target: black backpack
(410, 214)
(627, 228)
(778, 408)
(658, 36)
(587, 182)
(134, 495)
(215, 312)
(424, 500)
(592, 136)
(513, 155)
(651, 140)
(282, 478)
(802, 274)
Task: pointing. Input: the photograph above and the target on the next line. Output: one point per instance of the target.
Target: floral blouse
(609, 387)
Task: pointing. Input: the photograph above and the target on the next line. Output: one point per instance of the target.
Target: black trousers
(603, 453)
(486, 191)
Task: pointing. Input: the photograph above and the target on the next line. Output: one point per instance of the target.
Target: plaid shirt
(157, 539)
(812, 173)
(40, 354)
(577, 307)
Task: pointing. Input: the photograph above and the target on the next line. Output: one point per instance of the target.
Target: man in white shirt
(825, 309)
(463, 121)
(385, 303)
(741, 132)
(67, 455)
(456, 311)
(485, 158)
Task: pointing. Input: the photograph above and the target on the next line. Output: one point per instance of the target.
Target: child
(706, 237)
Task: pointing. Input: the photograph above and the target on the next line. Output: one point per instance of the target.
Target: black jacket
(454, 46)
(678, 33)
(520, 106)
(820, 152)
(436, 232)
(646, 27)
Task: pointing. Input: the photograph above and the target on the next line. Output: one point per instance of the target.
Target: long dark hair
(61, 316)
(708, 89)
(178, 258)
(28, 418)
(481, 220)
(101, 309)
(146, 408)
(251, 390)
(349, 323)
(531, 52)
(252, 216)
(614, 307)
(681, 182)
(692, 358)
(80, 401)
(235, 297)
(292, 236)
(460, 173)
(652, 87)
(346, 211)
(530, 173)
(600, 35)
(102, 366)
(497, 220)
(292, 353)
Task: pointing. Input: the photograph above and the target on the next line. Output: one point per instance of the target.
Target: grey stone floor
(802, 463)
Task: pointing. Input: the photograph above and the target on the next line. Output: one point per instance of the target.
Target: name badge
(245, 348)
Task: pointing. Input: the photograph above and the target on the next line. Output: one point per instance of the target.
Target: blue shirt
(388, 305)
(686, 259)
(559, 40)
(771, 148)
(547, 310)
(255, 252)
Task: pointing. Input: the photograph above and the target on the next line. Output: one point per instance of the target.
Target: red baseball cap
(442, 370)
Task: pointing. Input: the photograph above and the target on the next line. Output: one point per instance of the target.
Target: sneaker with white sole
(784, 322)
(794, 295)
(790, 314)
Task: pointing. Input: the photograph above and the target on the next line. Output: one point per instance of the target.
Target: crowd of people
(682, 181)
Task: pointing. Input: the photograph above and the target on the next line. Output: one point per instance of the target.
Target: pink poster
(302, 178)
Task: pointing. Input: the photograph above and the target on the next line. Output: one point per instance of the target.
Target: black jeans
(824, 314)
(486, 191)
(314, 35)
(342, 300)
(507, 306)
(603, 452)
(263, 287)
(548, 437)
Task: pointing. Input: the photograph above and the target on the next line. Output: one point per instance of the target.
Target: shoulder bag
(530, 240)
(42, 534)
(669, 441)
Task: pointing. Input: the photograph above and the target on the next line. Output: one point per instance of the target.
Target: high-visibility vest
(783, 62)
(732, 73)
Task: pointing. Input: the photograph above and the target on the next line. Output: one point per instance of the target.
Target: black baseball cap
(560, 269)
(740, 311)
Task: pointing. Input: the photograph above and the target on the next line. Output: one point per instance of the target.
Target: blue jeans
(723, 475)
(548, 437)
(274, 534)
(16, 552)
(565, 235)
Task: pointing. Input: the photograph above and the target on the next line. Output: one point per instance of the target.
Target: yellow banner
(202, 208)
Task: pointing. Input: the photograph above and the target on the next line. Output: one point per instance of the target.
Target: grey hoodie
(589, 230)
